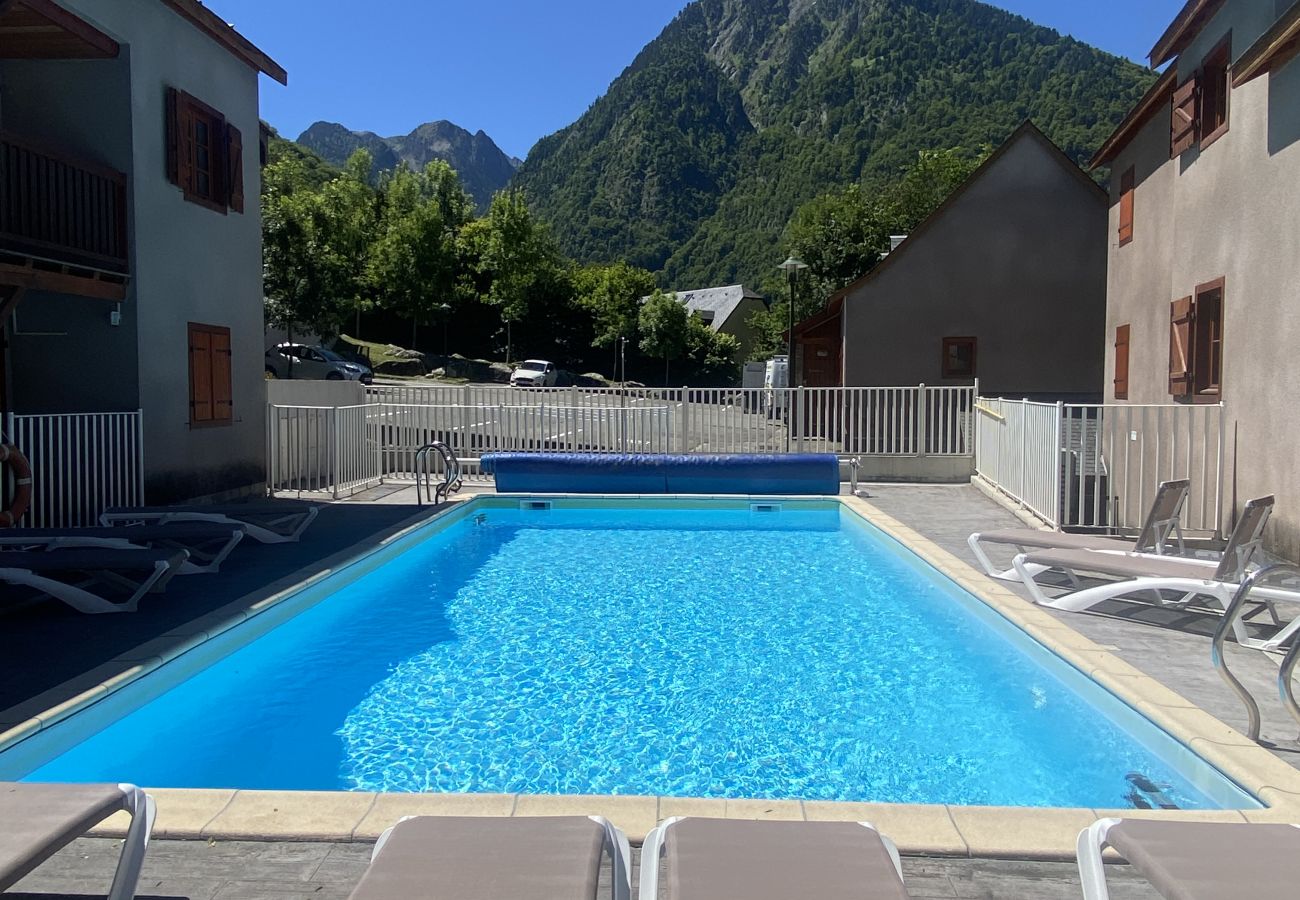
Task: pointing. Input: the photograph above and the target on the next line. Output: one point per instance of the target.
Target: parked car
(313, 362)
(535, 373)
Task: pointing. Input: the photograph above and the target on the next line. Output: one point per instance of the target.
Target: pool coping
(934, 830)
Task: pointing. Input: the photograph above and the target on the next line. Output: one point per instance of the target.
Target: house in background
(1203, 291)
(1004, 282)
(130, 234)
(726, 310)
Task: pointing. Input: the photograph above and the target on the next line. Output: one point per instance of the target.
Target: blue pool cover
(816, 474)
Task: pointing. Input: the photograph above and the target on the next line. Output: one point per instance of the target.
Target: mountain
(741, 110)
(483, 168)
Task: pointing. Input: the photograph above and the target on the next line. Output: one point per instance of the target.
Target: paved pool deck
(49, 643)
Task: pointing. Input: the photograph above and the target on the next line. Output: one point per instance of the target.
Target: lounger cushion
(38, 819)
(461, 858)
(1205, 861)
(1126, 565)
(711, 859)
(78, 559)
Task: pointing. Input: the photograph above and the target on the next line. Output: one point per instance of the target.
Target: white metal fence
(1098, 466)
(82, 463)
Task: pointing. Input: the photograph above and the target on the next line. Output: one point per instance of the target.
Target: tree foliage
(664, 325)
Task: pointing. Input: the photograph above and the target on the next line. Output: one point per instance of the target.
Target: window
(210, 392)
(1121, 362)
(1196, 342)
(1215, 84)
(959, 357)
(205, 154)
(1126, 206)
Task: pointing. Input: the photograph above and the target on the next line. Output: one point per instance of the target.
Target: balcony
(62, 221)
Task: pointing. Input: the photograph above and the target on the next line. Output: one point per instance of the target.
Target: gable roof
(1277, 45)
(225, 34)
(1027, 131)
(715, 305)
(1183, 30)
(1152, 102)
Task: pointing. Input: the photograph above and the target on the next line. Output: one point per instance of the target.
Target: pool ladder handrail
(452, 478)
(1230, 616)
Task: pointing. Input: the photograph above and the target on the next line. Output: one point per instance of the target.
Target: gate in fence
(1097, 466)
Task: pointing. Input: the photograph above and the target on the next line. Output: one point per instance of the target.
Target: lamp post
(792, 267)
(445, 308)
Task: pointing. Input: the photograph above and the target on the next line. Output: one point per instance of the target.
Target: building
(1204, 242)
(726, 310)
(130, 231)
(1004, 282)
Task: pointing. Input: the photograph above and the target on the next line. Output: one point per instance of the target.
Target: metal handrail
(1230, 616)
(451, 481)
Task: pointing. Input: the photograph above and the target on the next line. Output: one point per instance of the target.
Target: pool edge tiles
(1030, 833)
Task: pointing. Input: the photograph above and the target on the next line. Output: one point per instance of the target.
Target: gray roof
(716, 305)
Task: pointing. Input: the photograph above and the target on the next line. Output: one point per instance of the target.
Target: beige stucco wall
(1230, 211)
(737, 324)
(190, 264)
(1018, 261)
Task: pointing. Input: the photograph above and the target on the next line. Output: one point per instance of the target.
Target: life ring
(22, 481)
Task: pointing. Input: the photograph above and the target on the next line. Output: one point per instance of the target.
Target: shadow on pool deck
(45, 644)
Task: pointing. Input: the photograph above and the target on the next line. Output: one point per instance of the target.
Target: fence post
(1024, 448)
(922, 418)
(336, 451)
(1058, 502)
(686, 420)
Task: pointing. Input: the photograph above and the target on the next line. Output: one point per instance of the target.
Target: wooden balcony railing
(59, 208)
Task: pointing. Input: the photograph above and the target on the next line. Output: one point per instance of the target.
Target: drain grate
(535, 505)
(765, 507)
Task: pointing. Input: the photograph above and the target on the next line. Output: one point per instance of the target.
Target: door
(821, 363)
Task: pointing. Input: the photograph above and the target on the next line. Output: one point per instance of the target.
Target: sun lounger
(37, 820)
(1196, 860)
(706, 859)
(208, 543)
(1152, 575)
(1161, 523)
(455, 858)
(266, 523)
(68, 574)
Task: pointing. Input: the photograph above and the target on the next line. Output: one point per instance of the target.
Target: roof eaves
(1274, 47)
(224, 34)
(1136, 118)
(1185, 26)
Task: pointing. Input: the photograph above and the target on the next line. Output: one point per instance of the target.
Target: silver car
(313, 362)
(535, 373)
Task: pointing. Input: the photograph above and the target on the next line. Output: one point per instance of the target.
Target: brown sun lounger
(1196, 860)
(712, 859)
(463, 858)
(37, 820)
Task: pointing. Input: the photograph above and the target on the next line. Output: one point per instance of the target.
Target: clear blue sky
(519, 69)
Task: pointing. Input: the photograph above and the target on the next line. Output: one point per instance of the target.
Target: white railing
(321, 449)
(1095, 466)
(82, 463)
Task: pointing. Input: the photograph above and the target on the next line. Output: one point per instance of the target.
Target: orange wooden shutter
(1180, 347)
(1126, 207)
(221, 393)
(1121, 362)
(200, 375)
(173, 126)
(235, 168)
(1183, 129)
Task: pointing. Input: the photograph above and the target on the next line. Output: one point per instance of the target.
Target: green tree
(611, 297)
(714, 357)
(513, 251)
(664, 325)
(355, 208)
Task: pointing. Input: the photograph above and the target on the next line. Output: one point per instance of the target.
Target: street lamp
(446, 315)
(792, 267)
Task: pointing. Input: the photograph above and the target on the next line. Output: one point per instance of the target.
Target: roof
(1152, 102)
(1274, 47)
(41, 29)
(225, 34)
(716, 305)
(1183, 30)
(1028, 130)
(828, 312)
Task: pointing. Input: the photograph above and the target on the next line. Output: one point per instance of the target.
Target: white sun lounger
(1162, 522)
(1196, 860)
(208, 543)
(465, 858)
(1150, 575)
(68, 574)
(712, 859)
(266, 523)
(37, 820)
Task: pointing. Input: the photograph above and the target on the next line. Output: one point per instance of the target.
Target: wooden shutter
(1121, 362)
(1184, 125)
(173, 113)
(201, 406)
(1126, 207)
(234, 168)
(1180, 347)
(221, 392)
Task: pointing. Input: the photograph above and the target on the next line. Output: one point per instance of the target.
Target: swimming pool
(680, 648)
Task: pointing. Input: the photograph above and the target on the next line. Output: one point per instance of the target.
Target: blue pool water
(707, 652)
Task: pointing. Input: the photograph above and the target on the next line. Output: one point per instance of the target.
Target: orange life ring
(22, 481)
